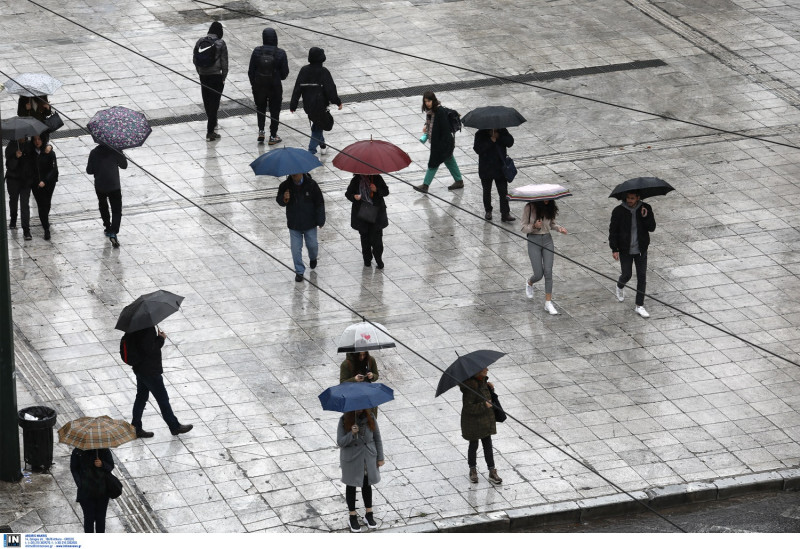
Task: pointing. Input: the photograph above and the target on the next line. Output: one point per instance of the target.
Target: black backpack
(454, 119)
(205, 52)
(265, 68)
(127, 352)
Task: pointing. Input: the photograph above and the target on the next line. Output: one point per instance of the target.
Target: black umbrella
(491, 118)
(465, 367)
(148, 310)
(645, 186)
(22, 126)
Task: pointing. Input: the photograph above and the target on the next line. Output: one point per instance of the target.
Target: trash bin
(37, 436)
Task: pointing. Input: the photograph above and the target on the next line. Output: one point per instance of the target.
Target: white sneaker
(620, 293)
(550, 308)
(323, 150)
(529, 290)
(642, 312)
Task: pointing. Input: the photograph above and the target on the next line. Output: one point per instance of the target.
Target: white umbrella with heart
(364, 336)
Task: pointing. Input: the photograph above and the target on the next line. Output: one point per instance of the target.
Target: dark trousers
(350, 495)
(262, 99)
(488, 453)
(110, 222)
(94, 515)
(43, 197)
(372, 243)
(502, 190)
(146, 385)
(626, 262)
(211, 97)
(19, 193)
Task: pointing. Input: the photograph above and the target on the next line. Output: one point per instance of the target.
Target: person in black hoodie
(104, 164)
(305, 211)
(18, 184)
(315, 83)
(86, 467)
(212, 80)
(43, 175)
(491, 145)
(629, 237)
(268, 67)
(146, 344)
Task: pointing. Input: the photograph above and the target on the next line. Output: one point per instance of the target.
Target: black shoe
(370, 520)
(508, 218)
(354, 525)
(141, 433)
(456, 185)
(213, 136)
(27, 234)
(261, 136)
(488, 216)
(113, 238)
(274, 140)
(421, 188)
(298, 278)
(367, 263)
(379, 265)
(47, 234)
(181, 429)
(313, 263)
(12, 225)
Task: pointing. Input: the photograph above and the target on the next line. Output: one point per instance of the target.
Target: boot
(473, 475)
(493, 478)
(457, 185)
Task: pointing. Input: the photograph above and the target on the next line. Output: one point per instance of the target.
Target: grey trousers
(540, 252)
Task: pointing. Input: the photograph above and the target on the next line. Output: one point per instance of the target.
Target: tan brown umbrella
(92, 433)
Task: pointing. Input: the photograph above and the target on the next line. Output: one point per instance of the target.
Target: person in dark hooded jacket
(305, 211)
(212, 80)
(491, 145)
(18, 184)
(105, 163)
(268, 67)
(315, 83)
(43, 175)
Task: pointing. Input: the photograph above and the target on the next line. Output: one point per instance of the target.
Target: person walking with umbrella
(105, 163)
(490, 146)
(478, 423)
(359, 367)
(305, 212)
(43, 175)
(368, 215)
(538, 219)
(18, 184)
(360, 457)
(443, 143)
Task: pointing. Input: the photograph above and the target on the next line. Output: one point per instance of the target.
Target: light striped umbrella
(92, 433)
(538, 191)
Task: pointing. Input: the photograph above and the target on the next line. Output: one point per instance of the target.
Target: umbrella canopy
(285, 161)
(465, 367)
(92, 433)
(493, 117)
(148, 310)
(22, 126)
(371, 158)
(347, 397)
(32, 84)
(364, 337)
(645, 186)
(538, 191)
(119, 127)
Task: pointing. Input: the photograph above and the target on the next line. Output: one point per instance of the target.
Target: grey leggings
(540, 251)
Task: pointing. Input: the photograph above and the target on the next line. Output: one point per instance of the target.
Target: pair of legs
(366, 493)
(317, 138)
(43, 197)
(211, 98)
(488, 453)
(626, 262)
(540, 252)
(452, 166)
(296, 241)
(94, 515)
(372, 244)
(114, 198)
(145, 386)
(19, 194)
(264, 99)
(502, 190)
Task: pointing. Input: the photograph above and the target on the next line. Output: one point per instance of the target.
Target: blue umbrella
(285, 161)
(347, 397)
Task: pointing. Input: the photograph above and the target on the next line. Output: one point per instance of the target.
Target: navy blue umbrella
(285, 161)
(348, 397)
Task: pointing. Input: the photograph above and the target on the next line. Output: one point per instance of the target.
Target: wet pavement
(663, 401)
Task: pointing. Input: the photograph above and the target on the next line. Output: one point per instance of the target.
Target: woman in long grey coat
(478, 423)
(361, 455)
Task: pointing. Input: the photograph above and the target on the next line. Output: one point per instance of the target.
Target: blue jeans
(146, 385)
(316, 138)
(296, 242)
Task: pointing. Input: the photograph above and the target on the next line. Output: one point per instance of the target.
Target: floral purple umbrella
(119, 128)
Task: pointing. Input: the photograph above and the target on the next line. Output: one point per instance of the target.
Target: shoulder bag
(368, 212)
(53, 122)
(499, 414)
(114, 485)
(509, 169)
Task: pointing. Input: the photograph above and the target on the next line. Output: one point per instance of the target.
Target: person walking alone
(305, 212)
(315, 84)
(368, 191)
(538, 218)
(490, 146)
(268, 67)
(18, 183)
(360, 457)
(88, 471)
(443, 143)
(629, 237)
(105, 163)
(43, 175)
(211, 62)
(478, 423)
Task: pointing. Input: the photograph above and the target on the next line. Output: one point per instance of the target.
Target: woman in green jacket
(478, 423)
(357, 368)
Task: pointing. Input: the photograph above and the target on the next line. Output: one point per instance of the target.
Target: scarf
(363, 188)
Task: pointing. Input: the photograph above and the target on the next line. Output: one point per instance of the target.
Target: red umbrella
(371, 158)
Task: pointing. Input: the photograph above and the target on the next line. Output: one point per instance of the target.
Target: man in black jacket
(629, 237)
(491, 145)
(315, 83)
(146, 345)
(43, 175)
(268, 67)
(105, 163)
(305, 211)
(212, 77)
(18, 184)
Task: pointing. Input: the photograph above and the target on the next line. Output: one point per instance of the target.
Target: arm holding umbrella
(345, 438)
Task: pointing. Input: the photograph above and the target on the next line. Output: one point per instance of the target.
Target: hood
(216, 29)
(269, 37)
(316, 55)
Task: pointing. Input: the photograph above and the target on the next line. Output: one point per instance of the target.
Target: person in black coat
(37, 107)
(369, 190)
(105, 163)
(443, 143)
(146, 345)
(268, 89)
(87, 468)
(315, 83)
(305, 211)
(18, 183)
(43, 175)
(491, 145)
(629, 237)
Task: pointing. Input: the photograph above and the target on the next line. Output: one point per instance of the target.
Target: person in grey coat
(105, 163)
(360, 456)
